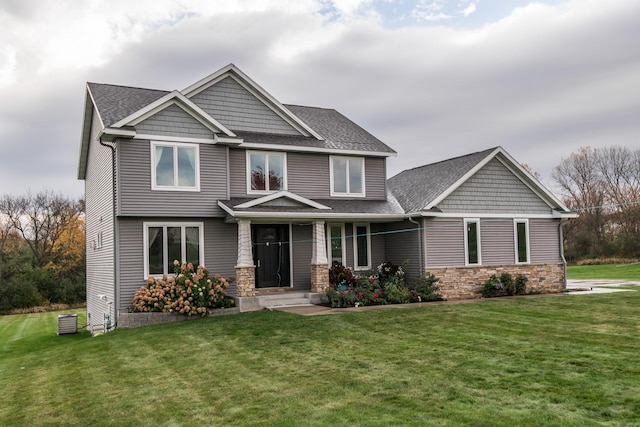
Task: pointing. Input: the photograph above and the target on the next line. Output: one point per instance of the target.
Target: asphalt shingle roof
(339, 131)
(416, 188)
(114, 103)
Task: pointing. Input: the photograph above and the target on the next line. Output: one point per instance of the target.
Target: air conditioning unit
(67, 324)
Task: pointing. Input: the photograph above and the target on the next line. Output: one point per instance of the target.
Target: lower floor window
(167, 242)
(336, 243)
(472, 241)
(362, 246)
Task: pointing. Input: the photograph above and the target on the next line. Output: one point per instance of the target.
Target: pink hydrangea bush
(190, 291)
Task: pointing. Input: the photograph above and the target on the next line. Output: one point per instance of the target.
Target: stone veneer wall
(136, 320)
(246, 281)
(467, 282)
(319, 277)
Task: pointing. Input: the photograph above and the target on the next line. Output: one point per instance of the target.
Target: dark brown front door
(271, 255)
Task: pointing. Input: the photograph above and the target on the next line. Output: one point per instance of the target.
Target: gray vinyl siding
(375, 178)
(220, 252)
(173, 121)
(301, 248)
(238, 173)
(497, 244)
(378, 250)
(237, 109)
(348, 241)
(308, 175)
(99, 219)
(544, 241)
(403, 246)
(494, 189)
(134, 184)
(444, 242)
(221, 249)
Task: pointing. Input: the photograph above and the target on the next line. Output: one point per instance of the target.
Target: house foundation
(467, 282)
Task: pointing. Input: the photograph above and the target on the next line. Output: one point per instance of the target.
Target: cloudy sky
(433, 79)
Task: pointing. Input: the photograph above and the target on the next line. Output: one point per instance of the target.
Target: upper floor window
(166, 242)
(175, 166)
(266, 172)
(521, 232)
(347, 176)
(472, 241)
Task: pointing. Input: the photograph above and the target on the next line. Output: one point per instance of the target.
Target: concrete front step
(278, 299)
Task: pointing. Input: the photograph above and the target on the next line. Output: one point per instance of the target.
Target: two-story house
(224, 175)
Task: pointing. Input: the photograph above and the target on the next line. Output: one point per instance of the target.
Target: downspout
(564, 261)
(419, 229)
(112, 147)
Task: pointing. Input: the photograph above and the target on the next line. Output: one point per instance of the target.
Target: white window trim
(266, 154)
(168, 267)
(175, 146)
(343, 243)
(466, 241)
(348, 193)
(357, 267)
(515, 239)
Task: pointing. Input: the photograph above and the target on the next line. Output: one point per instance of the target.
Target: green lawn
(569, 360)
(608, 271)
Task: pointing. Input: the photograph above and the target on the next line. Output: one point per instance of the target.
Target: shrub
(425, 288)
(19, 293)
(496, 286)
(384, 285)
(340, 275)
(188, 292)
(387, 270)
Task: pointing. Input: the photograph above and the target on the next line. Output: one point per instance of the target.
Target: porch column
(319, 262)
(245, 269)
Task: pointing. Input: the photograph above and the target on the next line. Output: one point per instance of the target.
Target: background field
(566, 360)
(609, 271)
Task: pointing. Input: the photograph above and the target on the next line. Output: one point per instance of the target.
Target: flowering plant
(190, 291)
(386, 284)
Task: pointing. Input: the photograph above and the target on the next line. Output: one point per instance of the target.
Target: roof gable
(228, 92)
(282, 198)
(494, 189)
(173, 98)
(425, 187)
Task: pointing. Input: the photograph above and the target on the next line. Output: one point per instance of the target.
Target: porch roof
(338, 209)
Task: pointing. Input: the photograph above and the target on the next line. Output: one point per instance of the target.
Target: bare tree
(40, 219)
(6, 229)
(603, 185)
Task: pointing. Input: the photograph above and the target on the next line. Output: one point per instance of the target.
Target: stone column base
(319, 277)
(246, 281)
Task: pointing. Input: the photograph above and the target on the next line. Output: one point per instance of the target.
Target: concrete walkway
(574, 287)
(581, 287)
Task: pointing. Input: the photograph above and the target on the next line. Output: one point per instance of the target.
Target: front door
(271, 255)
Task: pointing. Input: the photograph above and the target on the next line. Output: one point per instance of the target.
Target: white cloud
(471, 8)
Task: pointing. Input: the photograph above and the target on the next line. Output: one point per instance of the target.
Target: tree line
(42, 250)
(603, 186)
(42, 235)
